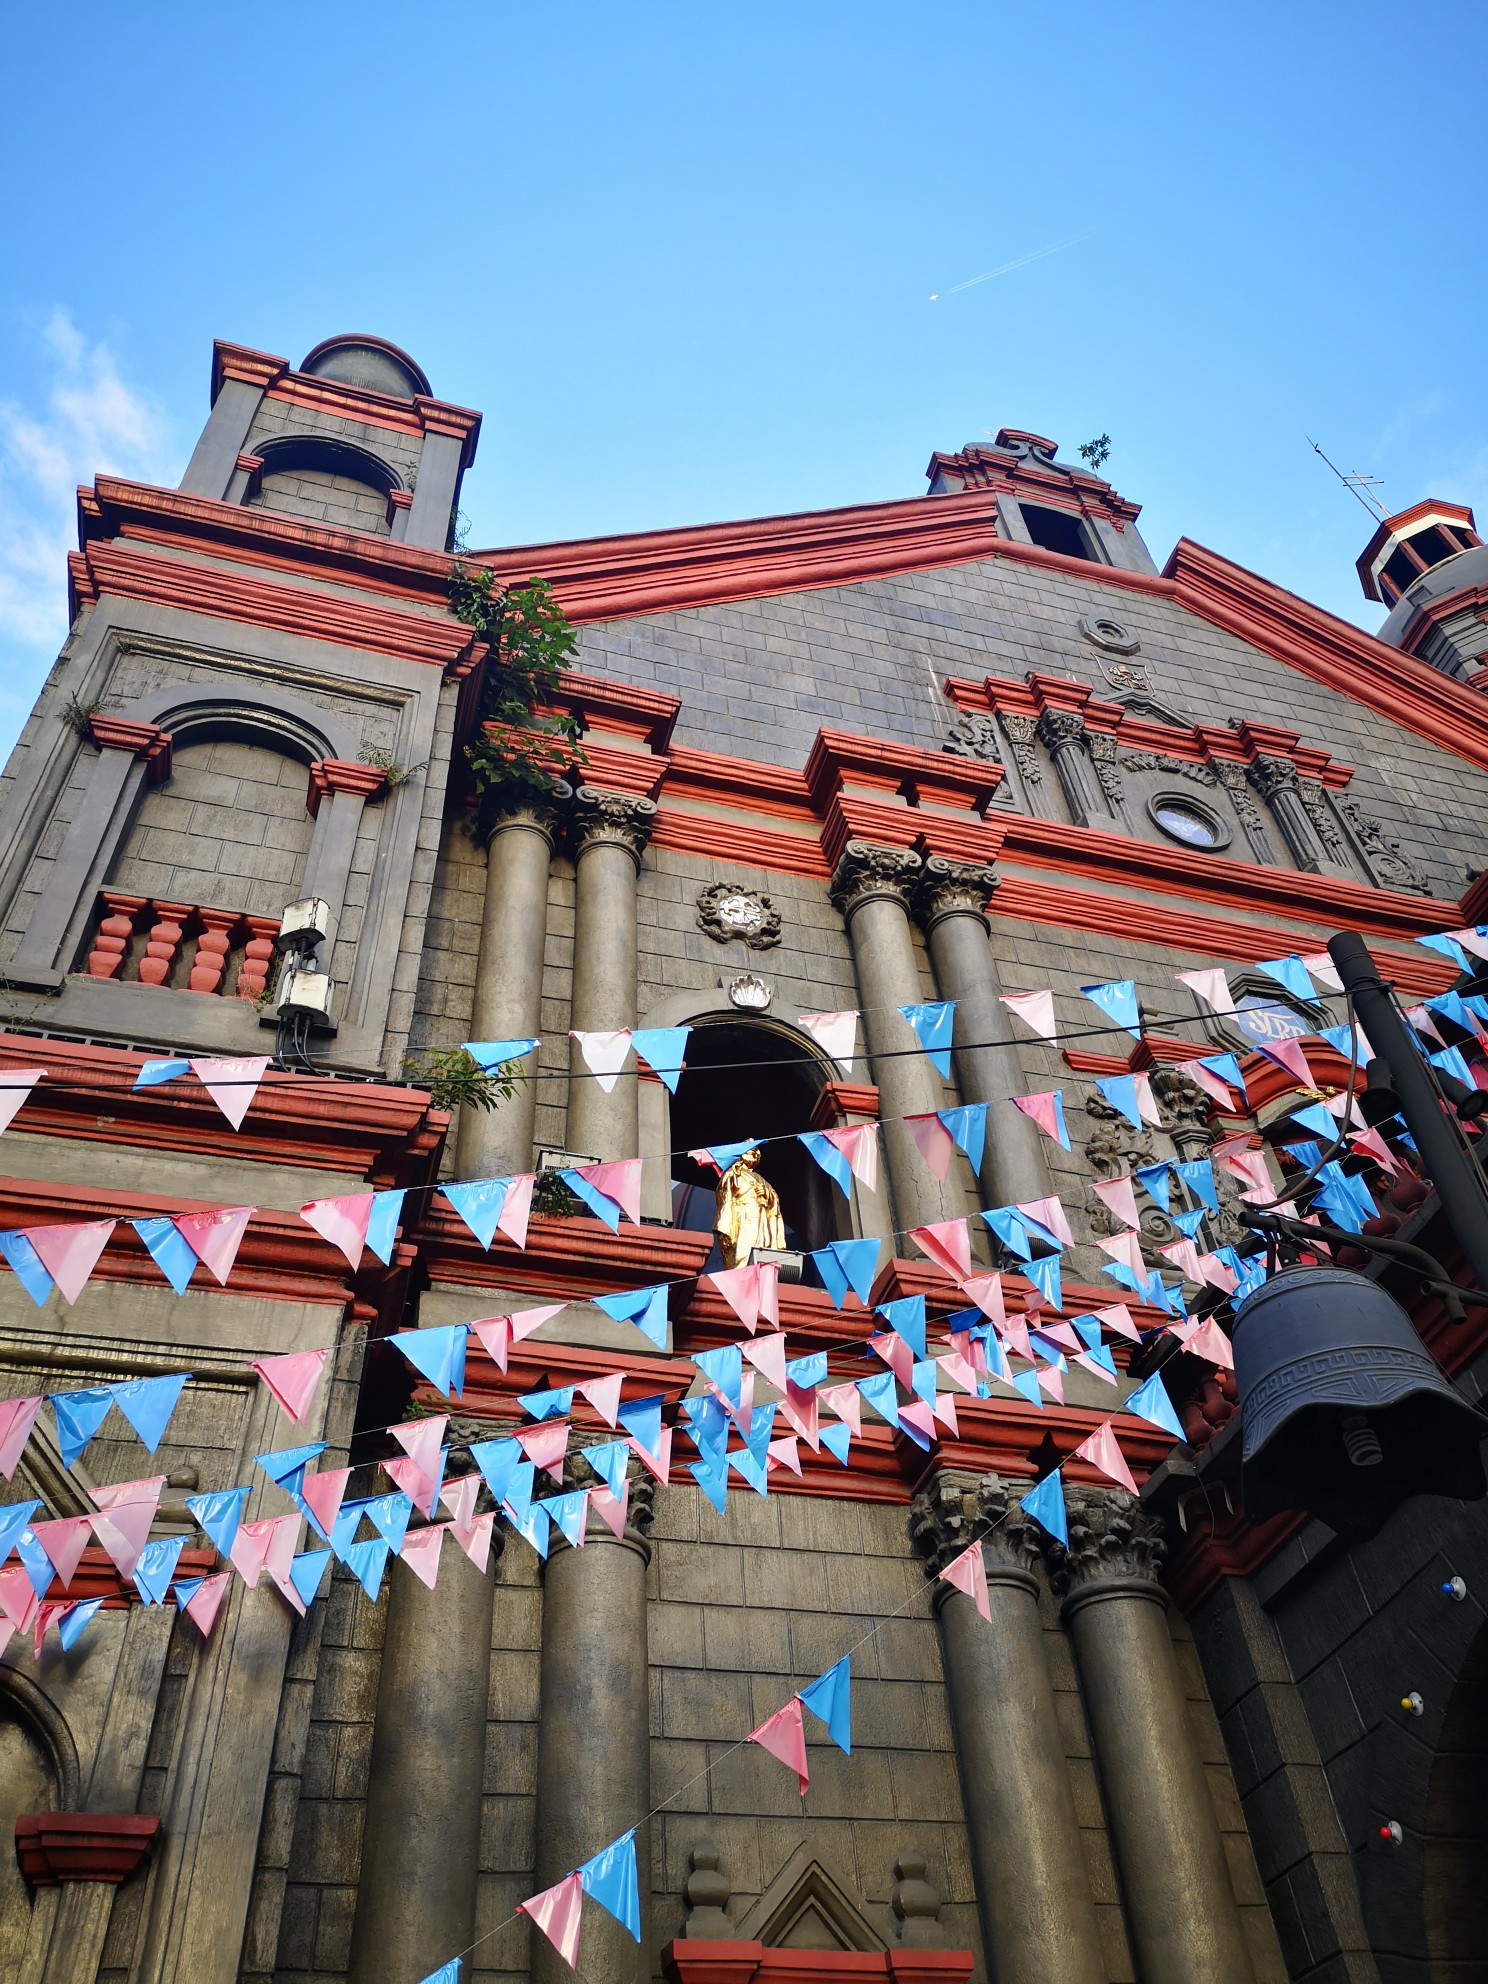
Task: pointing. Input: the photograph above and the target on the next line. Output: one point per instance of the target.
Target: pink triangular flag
(1219, 1274)
(557, 1911)
(206, 1602)
(604, 1395)
(124, 1531)
(1035, 1009)
(800, 1409)
(611, 1509)
(767, 1355)
(934, 1142)
(915, 1412)
(1119, 1196)
(1147, 1107)
(265, 1545)
(292, 1378)
(784, 1452)
(1212, 987)
(459, 1496)
(986, 1291)
(323, 1494)
(64, 1542)
(17, 1417)
(1014, 1333)
(1103, 1452)
(1124, 1247)
(516, 1208)
(834, 1034)
(1205, 1078)
(7, 1629)
(1320, 965)
(49, 1613)
(1118, 1318)
(232, 1085)
(620, 1183)
(1049, 1213)
(1063, 1334)
(18, 1600)
(958, 1367)
(947, 1242)
(343, 1222)
(70, 1253)
(769, 1292)
(1367, 1140)
(15, 1085)
(495, 1335)
(859, 1145)
(740, 1288)
(525, 1321)
(407, 1476)
(658, 1464)
(475, 1540)
(1209, 1341)
(945, 1411)
(215, 1237)
(124, 1492)
(604, 1054)
(545, 1444)
(897, 1354)
(1288, 1054)
(847, 1403)
(784, 1737)
(420, 1552)
(421, 1440)
(1185, 1257)
(969, 1574)
(1051, 1383)
(1040, 1109)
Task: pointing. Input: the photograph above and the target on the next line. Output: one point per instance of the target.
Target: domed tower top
(1430, 567)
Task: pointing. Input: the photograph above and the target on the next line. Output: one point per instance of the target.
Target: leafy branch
(454, 1078)
(531, 643)
(1096, 451)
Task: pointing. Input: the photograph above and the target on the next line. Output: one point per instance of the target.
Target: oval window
(1183, 821)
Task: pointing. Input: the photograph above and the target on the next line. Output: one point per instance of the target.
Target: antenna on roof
(1362, 486)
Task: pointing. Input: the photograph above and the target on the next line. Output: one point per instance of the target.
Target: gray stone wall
(324, 497)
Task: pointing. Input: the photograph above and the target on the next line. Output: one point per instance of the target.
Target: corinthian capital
(1113, 1540)
(867, 870)
(953, 888)
(1269, 774)
(1058, 729)
(614, 819)
(955, 1510)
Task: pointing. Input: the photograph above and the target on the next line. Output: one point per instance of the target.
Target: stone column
(508, 984)
(610, 831)
(1180, 1907)
(871, 887)
(1063, 735)
(337, 795)
(1276, 780)
(421, 1842)
(949, 902)
(593, 1737)
(1033, 1895)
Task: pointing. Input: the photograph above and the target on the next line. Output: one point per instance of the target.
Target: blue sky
(682, 258)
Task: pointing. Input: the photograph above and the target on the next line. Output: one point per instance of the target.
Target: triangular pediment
(806, 1908)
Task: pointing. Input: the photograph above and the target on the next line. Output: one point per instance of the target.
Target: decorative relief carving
(1060, 730)
(949, 888)
(955, 1509)
(732, 914)
(1386, 858)
(1270, 775)
(615, 819)
(1019, 732)
(1163, 761)
(1107, 634)
(1112, 1539)
(1325, 821)
(867, 870)
(974, 735)
(1102, 749)
(1232, 778)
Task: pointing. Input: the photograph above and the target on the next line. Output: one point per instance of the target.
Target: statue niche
(748, 1214)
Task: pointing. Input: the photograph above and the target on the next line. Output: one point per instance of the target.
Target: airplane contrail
(1022, 261)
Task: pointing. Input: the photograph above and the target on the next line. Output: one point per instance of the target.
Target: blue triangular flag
(517, 1501)
(610, 1878)
(645, 1307)
(79, 1416)
(493, 1054)
(1450, 1061)
(153, 1073)
(1313, 1116)
(1045, 1504)
(1088, 1329)
(922, 1379)
(344, 1528)
(566, 1512)
(147, 1403)
(14, 1518)
(878, 1391)
(723, 1155)
(1227, 1067)
(553, 1403)
(37, 1564)
(968, 1125)
(288, 1466)
(1044, 1274)
(74, 1619)
(830, 1698)
(1291, 973)
(711, 1475)
(662, 1048)
(1119, 1271)
(723, 1367)
(1155, 1178)
(708, 1426)
(1121, 1092)
(1027, 1383)
(156, 1567)
(1198, 1176)
(1151, 1402)
(906, 1318)
(533, 1527)
(382, 1224)
(168, 1249)
(598, 1203)
(610, 1463)
(219, 1514)
(447, 1973)
(497, 1460)
(388, 1515)
(848, 1264)
(1452, 1006)
(932, 1024)
(1118, 999)
(26, 1265)
(1447, 947)
(1188, 1223)
(479, 1205)
(1007, 1223)
(829, 1158)
(438, 1353)
(306, 1571)
(752, 1468)
(761, 1429)
(1048, 1349)
(806, 1372)
(836, 1437)
(641, 1418)
(367, 1562)
(1102, 1356)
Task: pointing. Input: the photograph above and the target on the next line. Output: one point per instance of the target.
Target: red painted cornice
(53, 1847)
(704, 1962)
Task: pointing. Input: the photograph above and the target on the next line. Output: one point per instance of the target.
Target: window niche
(325, 481)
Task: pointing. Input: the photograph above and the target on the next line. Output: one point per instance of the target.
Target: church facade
(959, 748)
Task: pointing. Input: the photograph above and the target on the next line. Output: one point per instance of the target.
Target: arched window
(327, 481)
(753, 1078)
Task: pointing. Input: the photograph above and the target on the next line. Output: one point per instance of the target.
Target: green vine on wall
(515, 751)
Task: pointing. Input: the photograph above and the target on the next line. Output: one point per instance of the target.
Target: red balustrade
(213, 938)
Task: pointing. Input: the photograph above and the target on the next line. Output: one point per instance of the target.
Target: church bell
(1345, 1413)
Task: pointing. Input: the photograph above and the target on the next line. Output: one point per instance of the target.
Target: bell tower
(1429, 566)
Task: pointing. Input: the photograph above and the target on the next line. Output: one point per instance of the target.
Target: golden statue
(748, 1211)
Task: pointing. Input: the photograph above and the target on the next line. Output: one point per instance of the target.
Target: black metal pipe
(1449, 1164)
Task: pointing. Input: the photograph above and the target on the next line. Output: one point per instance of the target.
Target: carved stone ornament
(1270, 774)
(1061, 730)
(731, 914)
(1019, 732)
(953, 1510)
(1386, 858)
(974, 735)
(1232, 777)
(706, 1892)
(953, 888)
(614, 819)
(543, 811)
(1163, 761)
(1108, 635)
(1102, 748)
(749, 993)
(916, 1905)
(867, 870)
(1325, 821)
(1113, 1539)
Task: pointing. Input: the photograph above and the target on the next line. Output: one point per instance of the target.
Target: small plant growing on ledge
(78, 715)
(385, 762)
(1095, 452)
(531, 643)
(454, 1077)
(552, 1197)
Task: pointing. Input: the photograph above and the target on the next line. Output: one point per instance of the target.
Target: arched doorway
(32, 1779)
(753, 1078)
(1457, 1827)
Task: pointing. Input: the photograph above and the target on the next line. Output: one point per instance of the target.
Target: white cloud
(85, 421)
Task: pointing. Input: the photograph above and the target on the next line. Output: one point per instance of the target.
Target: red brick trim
(751, 1963)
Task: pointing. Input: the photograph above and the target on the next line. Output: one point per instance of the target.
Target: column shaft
(593, 1742)
(508, 986)
(416, 1895)
(610, 832)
